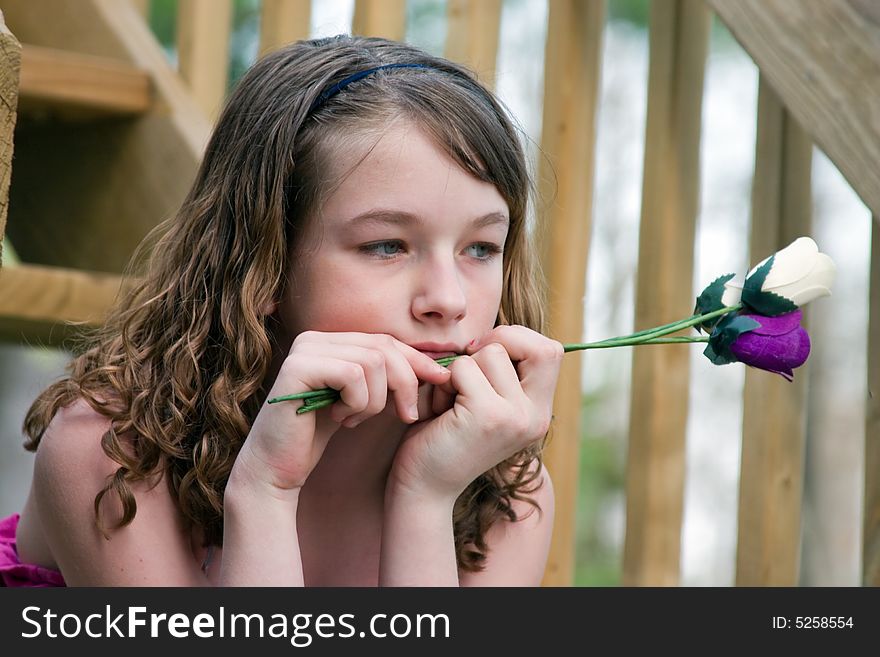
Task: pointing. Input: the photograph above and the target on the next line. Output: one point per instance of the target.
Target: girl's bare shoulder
(71, 444)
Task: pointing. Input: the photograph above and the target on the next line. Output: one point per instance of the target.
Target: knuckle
(496, 349)
(553, 351)
(304, 337)
(374, 359)
(353, 372)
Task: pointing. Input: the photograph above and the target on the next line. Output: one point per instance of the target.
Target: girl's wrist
(247, 482)
(418, 493)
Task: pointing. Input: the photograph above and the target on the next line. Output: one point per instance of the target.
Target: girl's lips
(438, 354)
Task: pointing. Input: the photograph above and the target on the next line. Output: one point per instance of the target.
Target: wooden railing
(816, 61)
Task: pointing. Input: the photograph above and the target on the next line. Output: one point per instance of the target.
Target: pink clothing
(15, 573)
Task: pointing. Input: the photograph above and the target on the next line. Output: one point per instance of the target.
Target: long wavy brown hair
(180, 364)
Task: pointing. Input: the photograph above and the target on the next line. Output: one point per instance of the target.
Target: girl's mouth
(438, 354)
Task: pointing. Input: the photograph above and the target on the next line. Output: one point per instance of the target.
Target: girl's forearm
(260, 541)
(418, 548)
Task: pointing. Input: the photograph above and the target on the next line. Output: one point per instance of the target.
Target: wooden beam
(571, 90)
(472, 32)
(679, 38)
(43, 304)
(774, 410)
(10, 65)
(823, 60)
(203, 28)
(282, 22)
(52, 79)
(871, 532)
(380, 18)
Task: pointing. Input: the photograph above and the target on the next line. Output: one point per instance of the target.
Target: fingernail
(414, 412)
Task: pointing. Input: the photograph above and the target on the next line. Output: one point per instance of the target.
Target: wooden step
(40, 304)
(74, 84)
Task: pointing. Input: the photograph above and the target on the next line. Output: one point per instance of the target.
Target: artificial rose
(774, 344)
(798, 273)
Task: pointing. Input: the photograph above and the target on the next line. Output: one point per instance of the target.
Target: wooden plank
(42, 303)
(822, 59)
(774, 410)
(10, 66)
(143, 8)
(203, 28)
(380, 18)
(282, 22)
(112, 181)
(679, 37)
(568, 137)
(472, 32)
(57, 79)
(871, 532)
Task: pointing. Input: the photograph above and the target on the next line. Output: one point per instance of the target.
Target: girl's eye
(485, 250)
(387, 249)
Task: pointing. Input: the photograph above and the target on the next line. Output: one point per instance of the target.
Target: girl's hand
(283, 447)
(488, 411)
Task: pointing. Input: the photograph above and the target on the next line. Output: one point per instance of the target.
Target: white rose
(799, 273)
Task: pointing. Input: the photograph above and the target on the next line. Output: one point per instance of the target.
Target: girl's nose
(440, 294)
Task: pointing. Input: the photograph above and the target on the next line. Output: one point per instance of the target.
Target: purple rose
(778, 345)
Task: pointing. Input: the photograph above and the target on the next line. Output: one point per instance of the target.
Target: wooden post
(774, 418)
(871, 534)
(10, 66)
(282, 22)
(472, 31)
(203, 28)
(380, 18)
(568, 137)
(143, 8)
(679, 38)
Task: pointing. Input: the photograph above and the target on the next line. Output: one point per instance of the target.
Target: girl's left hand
(487, 411)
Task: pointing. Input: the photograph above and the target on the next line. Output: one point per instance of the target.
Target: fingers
(388, 365)
(538, 358)
(497, 367)
(373, 373)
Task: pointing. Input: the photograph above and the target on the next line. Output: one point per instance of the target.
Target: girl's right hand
(283, 447)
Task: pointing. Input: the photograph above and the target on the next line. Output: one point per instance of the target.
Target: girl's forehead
(404, 168)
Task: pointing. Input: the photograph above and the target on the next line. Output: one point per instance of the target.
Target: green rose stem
(315, 399)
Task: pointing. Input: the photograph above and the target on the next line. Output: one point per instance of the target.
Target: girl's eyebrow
(401, 218)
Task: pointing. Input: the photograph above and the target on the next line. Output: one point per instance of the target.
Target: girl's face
(409, 244)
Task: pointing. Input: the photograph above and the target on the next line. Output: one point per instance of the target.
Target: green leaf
(763, 302)
(710, 301)
(725, 334)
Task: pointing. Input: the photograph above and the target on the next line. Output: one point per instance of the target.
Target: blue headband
(342, 84)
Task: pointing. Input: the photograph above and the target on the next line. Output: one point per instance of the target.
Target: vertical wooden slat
(472, 30)
(679, 37)
(143, 7)
(568, 137)
(871, 535)
(10, 66)
(283, 21)
(203, 28)
(380, 18)
(774, 417)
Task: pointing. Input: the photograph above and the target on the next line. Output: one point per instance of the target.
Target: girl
(360, 212)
